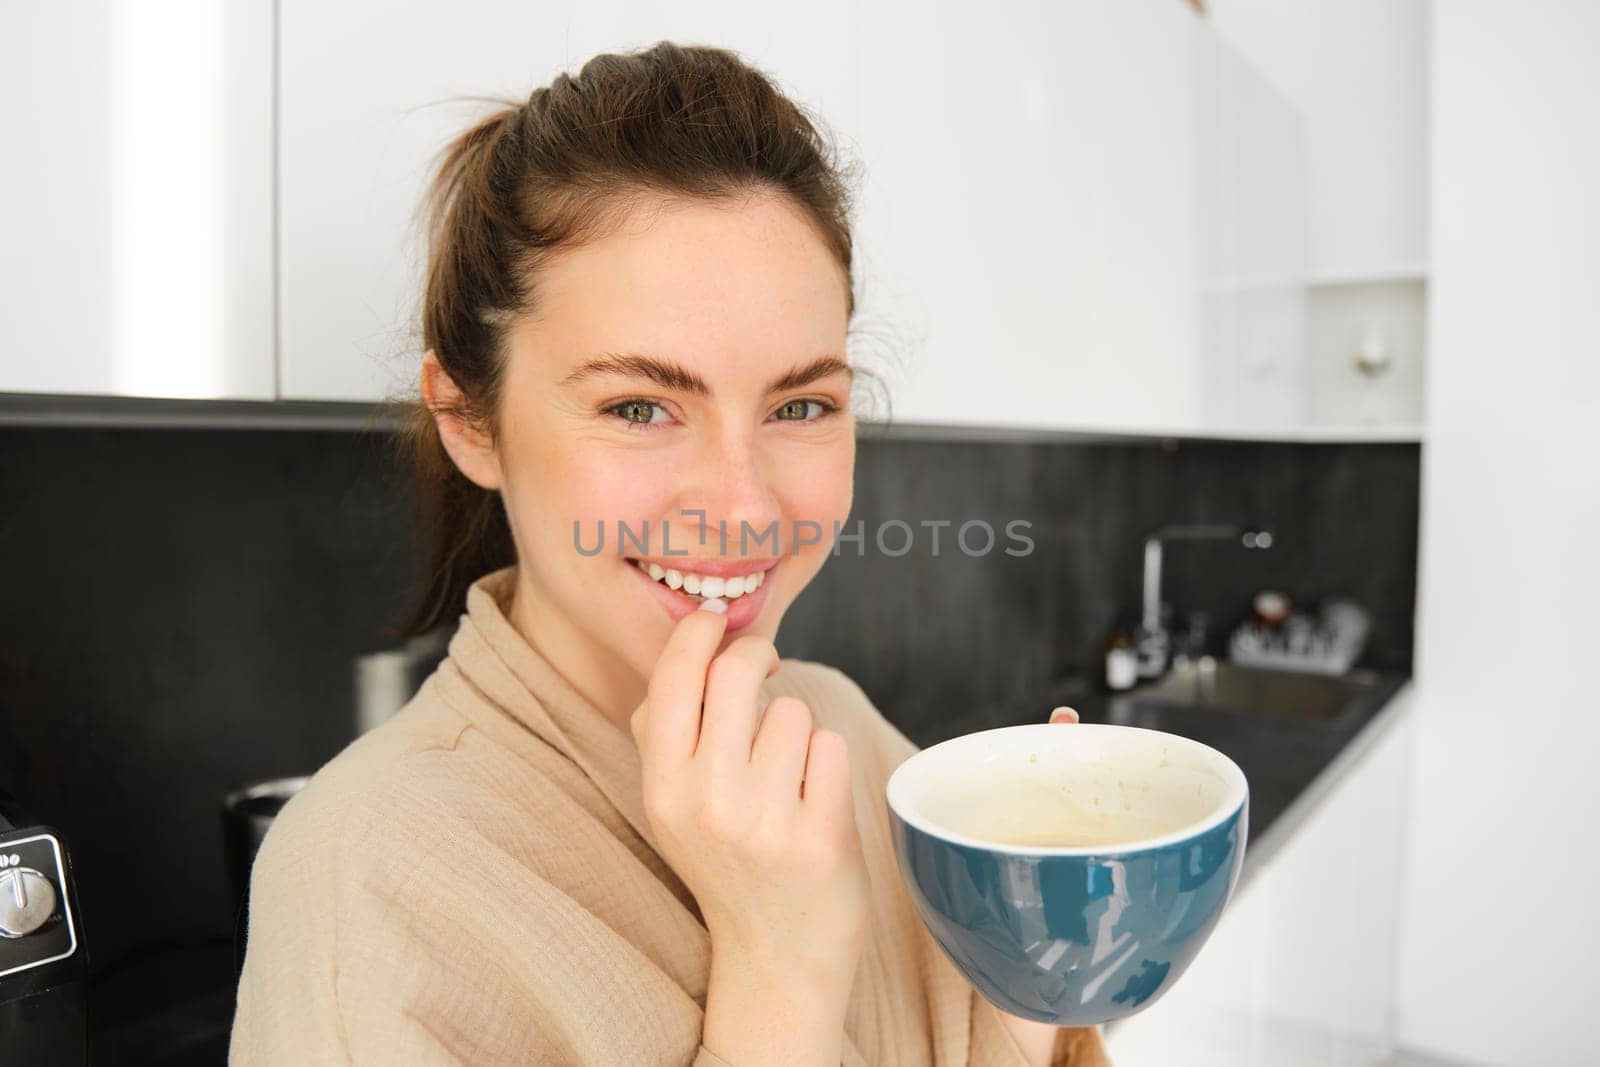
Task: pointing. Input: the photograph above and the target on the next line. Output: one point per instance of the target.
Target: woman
(612, 827)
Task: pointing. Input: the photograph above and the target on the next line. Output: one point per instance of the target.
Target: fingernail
(1063, 713)
(714, 604)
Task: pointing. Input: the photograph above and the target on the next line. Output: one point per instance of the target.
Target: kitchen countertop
(1291, 764)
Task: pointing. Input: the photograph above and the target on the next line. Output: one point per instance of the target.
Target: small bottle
(1122, 663)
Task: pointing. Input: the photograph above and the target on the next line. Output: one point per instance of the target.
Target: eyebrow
(670, 375)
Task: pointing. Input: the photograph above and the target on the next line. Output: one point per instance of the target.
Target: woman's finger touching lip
(676, 690)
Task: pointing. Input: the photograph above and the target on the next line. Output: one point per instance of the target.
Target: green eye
(636, 411)
(798, 410)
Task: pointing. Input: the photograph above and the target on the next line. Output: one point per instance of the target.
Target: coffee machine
(43, 962)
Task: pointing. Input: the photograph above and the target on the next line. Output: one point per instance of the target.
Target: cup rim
(1238, 794)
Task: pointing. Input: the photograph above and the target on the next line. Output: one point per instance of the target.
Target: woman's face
(684, 378)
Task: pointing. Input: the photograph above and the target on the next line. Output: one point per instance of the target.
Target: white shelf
(1332, 433)
(1404, 272)
(1250, 282)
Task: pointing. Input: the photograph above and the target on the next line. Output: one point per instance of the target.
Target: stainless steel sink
(1224, 686)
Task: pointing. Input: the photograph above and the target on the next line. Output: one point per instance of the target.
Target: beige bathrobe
(473, 882)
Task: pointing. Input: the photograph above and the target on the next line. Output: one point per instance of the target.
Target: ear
(470, 448)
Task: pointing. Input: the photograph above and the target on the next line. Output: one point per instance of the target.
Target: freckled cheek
(613, 487)
(819, 487)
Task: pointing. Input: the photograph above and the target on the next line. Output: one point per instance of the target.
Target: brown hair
(536, 178)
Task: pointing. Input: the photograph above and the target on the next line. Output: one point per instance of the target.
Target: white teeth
(704, 585)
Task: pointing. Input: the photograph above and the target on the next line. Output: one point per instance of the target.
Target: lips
(680, 583)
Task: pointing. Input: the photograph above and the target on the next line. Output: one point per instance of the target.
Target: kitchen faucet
(1153, 641)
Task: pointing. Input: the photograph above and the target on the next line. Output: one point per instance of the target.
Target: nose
(731, 483)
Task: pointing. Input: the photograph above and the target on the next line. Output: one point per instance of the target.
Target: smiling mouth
(704, 586)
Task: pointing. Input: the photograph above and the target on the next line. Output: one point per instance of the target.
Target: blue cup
(1071, 872)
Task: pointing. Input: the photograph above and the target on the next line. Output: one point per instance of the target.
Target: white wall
(1500, 925)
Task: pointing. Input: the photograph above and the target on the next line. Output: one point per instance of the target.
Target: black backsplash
(957, 643)
(184, 605)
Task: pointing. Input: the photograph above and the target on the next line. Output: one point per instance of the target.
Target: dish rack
(1328, 643)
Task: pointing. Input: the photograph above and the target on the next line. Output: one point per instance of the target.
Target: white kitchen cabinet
(1029, 222)
(1251, 185)
(1301, 967)
(1087, 216)
(1366, 150)
(136, 199)
(1357, 71)
(365, 105)
(1026, 221)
